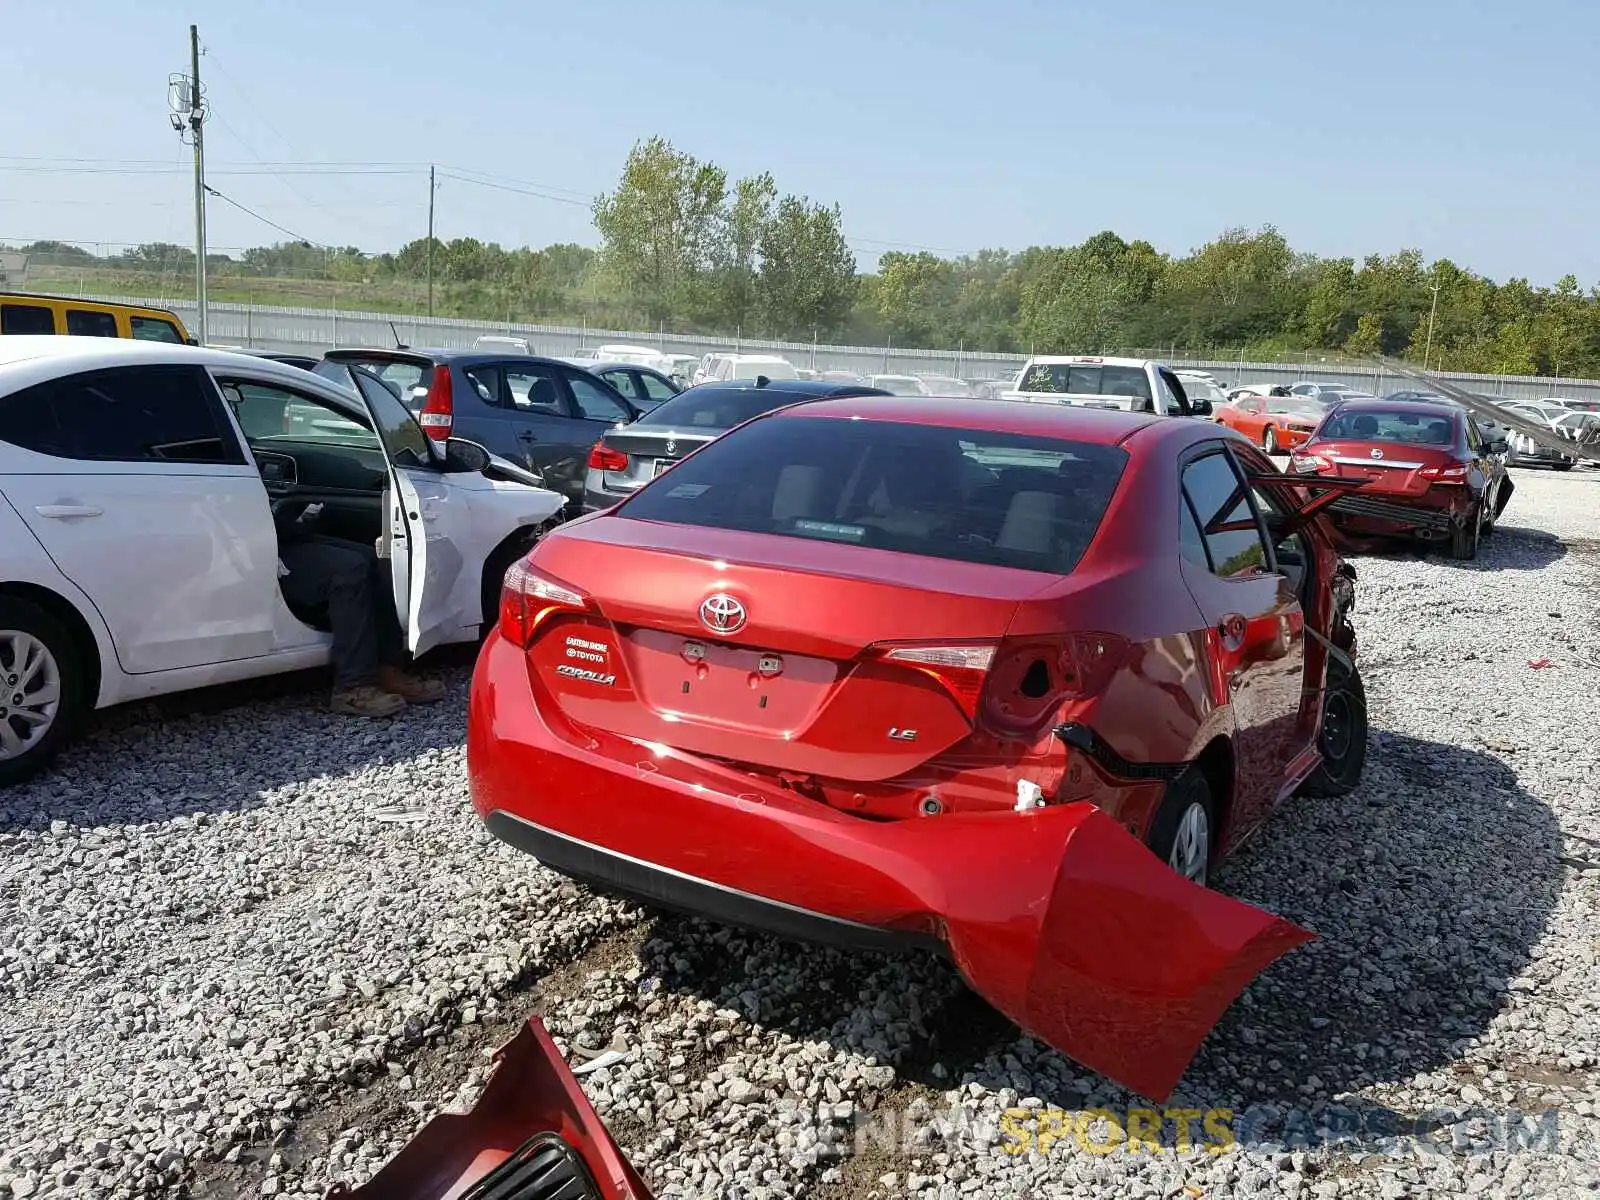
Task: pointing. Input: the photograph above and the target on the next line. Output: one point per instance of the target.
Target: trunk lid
(650, 450)
(1387, 467)
(794, 679)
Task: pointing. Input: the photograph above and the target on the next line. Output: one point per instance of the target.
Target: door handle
(527, 435)
(64, 511)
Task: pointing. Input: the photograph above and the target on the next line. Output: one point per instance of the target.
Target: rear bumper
(1381, 515)
(651, 884)
(1048, 914)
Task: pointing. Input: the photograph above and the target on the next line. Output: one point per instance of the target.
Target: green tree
(913, 295)
(1368, 337)
(731, 300)
(661, 226)
(808, 274)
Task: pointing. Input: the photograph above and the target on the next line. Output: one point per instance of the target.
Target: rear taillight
(603, 458)
(438, 412)
(529, 599)
(1309, 464)
(960, 668)
(1451, 474)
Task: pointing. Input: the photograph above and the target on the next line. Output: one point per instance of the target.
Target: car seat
(1030, 524)
(542, 395)
(795, 495)
(1364, 427)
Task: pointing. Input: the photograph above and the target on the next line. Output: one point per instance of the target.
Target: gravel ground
(250, 951)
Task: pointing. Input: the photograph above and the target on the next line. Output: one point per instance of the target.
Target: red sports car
(1426, 469)
(1276, 423)
(931, 673)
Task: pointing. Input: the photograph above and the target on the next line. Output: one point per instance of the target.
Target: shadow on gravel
(1512, 548)
(1428, 888)
(217, 749)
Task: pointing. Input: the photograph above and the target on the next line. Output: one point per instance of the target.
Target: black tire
(1343, 736)
(1185, 792)
(1565, 466)
(1269, 441)
(72, 678)
(1490, 512)
(1464, 535)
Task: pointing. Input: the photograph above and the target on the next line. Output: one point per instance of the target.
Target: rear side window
(126, 414)
(83, 323)
(154, 329)
(1087, 379)
(26, 318)
(1216, 493)
(966, 495)
(623, 382)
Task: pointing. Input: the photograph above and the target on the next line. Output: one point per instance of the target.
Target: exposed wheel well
(515, 544)
(66, 612)
(1216, 764)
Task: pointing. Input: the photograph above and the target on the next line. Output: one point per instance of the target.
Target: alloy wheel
(1191, 848)
(30, 692)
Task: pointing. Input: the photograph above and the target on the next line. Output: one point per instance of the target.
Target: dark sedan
(630, 456)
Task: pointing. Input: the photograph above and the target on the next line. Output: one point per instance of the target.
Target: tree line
(685, 248)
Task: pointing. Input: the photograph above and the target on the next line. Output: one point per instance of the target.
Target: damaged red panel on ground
(1001, 682)
(533, 1135)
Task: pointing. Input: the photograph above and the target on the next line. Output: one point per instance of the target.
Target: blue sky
(1464, 132)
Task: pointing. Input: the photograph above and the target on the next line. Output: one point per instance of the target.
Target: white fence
(319, 329)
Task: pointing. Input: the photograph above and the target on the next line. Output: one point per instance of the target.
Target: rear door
(1256, 626)
(137, 486)
(532, 421)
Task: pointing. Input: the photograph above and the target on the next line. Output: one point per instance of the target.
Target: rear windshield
(712, 407)
(1389, 425)
(972, 496)
(1301, 405)
(401, 376)
(1086, 379)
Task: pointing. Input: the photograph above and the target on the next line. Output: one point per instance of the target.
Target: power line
(264, 220)
(519, 191)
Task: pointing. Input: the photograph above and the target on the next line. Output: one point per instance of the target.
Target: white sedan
(138, 552)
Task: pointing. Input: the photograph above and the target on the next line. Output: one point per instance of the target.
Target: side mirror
(1497, 445)
(462, 457)
(1200, 407)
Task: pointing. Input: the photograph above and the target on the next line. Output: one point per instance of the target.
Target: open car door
(424, 525)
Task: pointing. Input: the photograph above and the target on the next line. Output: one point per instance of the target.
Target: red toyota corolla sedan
(921, 672)
(1426, 471)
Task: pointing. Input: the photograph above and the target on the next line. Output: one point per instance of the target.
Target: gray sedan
(630, 456)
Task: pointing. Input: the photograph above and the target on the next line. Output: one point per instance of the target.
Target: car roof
(801, 388)
(436, 355)
(1103, 426)
(48, 356)
(1093, 360)
(1374, 404)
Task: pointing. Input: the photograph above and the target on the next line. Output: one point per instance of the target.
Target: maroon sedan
(1427, 472)
(940, 674)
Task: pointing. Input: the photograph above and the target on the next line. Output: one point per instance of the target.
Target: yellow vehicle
(24, 312)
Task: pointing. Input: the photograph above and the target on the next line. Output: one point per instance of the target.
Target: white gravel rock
(219, 974)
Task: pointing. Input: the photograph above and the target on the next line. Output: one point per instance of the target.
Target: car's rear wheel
(43, 688)
(1490, 512)
(1464, 535)
(1184, 829)
(1565, 466)
(1342, 739)
(498, 563)
(1270, 440)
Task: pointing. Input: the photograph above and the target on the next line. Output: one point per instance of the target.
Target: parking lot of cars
(249, 947)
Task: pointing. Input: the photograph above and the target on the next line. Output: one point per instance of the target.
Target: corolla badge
(721, 613)
(1376, 453)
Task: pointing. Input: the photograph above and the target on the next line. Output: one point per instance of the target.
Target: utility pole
(431, 186)
(187, 102)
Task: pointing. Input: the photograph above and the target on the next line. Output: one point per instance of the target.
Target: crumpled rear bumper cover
(1058, 917)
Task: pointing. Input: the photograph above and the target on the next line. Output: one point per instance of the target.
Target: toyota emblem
(721, 613)
(1376, 453)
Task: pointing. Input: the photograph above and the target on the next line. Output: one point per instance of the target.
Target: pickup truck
(1125, 384)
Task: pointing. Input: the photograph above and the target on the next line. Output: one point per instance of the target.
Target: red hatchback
(934, 673)
(1426, 471)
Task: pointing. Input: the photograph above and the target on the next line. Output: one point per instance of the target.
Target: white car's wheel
(43, 688)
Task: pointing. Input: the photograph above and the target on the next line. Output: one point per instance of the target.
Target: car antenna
(398, 344)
